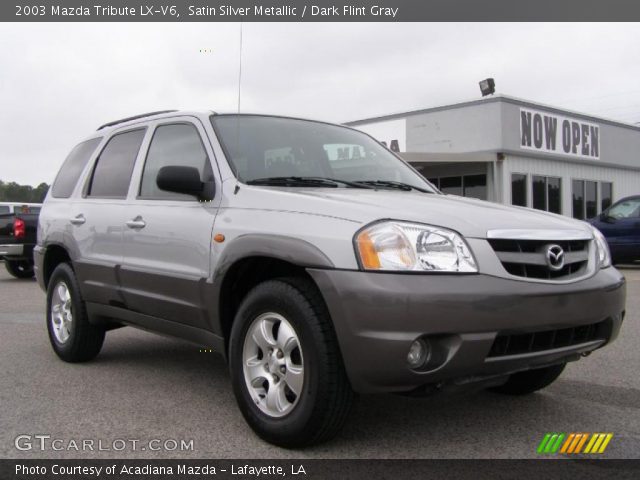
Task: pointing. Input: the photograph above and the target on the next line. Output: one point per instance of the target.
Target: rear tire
(71, 335)
(524, 383)
(19, 268)
(299, 338)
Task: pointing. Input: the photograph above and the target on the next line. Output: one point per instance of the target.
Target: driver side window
(175, 144)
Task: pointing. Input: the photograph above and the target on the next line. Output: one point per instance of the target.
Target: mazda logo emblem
(555, 257)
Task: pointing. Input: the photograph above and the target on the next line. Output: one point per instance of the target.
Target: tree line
(14, 192)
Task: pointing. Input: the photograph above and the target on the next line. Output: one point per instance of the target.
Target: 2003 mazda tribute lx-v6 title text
(317, 262)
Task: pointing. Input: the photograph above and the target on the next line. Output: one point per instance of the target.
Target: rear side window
(26, 209)
(72, 167)
(112, 173)
(4, 209)
(175, 144)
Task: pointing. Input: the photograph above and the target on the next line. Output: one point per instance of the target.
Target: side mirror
(181, 179)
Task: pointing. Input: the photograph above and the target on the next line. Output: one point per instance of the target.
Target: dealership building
(517, 152)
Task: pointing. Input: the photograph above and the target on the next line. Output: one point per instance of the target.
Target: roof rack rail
(135, 117)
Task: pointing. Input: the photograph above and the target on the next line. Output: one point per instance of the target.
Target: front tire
(524, 383)
(71, 335)
(286, 367)
(19, 268)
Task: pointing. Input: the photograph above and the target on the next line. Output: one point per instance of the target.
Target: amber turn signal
(368, 254)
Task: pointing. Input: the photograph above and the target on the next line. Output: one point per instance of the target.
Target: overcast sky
(58, 82)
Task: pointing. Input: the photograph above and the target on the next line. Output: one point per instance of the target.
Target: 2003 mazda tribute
(317, 262)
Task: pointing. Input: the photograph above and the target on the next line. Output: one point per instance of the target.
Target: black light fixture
(488, 87)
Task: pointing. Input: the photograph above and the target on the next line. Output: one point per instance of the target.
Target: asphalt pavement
(146, 387)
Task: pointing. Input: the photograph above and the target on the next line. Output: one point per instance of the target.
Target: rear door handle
(78, 219)
(137, 222)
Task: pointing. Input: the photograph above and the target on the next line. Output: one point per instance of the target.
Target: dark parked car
(18, 229)
(620, 224)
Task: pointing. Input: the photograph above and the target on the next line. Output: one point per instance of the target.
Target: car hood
(470, 217)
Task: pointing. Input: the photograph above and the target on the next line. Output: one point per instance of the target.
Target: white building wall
(471, 128)
(625, 181)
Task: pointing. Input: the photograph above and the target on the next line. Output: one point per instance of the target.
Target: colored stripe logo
(573, 443)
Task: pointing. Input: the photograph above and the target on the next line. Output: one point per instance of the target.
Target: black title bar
(318, 10)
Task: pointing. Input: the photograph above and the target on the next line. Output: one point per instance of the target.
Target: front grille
(526, 258)
(519, 343)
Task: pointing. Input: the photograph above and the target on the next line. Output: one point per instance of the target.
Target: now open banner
(553, 133)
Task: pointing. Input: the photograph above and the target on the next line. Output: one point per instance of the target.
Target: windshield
(263, 147)
(625, 209)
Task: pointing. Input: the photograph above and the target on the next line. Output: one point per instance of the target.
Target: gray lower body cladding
(378, 315)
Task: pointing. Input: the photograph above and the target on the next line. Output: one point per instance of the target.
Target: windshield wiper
(306, 181)
(393, 184)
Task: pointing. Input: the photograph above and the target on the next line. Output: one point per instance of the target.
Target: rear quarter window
(72, 167)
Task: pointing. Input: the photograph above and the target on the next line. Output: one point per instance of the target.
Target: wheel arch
(54, 255)
(253, 259)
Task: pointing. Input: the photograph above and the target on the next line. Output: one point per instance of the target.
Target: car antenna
(237, 187)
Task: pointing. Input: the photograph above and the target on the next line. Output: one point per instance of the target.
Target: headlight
(413, 247)
(602, 248)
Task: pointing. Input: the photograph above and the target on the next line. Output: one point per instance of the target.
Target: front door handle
(78, 219)
(136, 223)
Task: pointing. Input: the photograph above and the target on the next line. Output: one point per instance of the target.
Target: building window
(547, 193)
(519, 189)
(475, 186)
(577, 195)
(591, 199)
(539, 190)
(451, 185)
(606, 195)
(585, 198)
(554, 194)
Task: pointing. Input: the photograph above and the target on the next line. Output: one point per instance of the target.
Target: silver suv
(317, 262)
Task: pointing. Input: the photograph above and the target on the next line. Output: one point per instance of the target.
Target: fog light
(419, 353)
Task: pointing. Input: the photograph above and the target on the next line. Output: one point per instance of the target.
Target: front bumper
(378, 315)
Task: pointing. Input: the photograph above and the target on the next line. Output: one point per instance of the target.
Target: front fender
(293, 250)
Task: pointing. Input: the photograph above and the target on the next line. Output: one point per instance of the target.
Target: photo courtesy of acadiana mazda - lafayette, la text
(317, 262)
